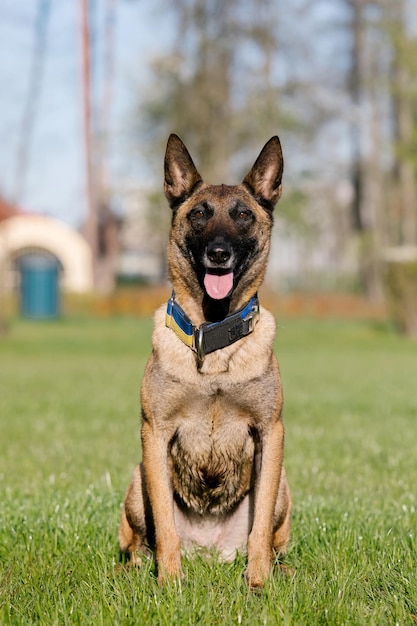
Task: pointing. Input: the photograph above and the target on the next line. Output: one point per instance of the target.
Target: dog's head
(220, 234)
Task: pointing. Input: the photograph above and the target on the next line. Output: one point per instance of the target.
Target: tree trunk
(364, 171)
(404, 175)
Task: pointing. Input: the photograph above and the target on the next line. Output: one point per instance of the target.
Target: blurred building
(23, 234)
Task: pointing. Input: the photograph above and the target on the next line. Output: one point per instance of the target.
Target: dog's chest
(212, 454)
(212, 416)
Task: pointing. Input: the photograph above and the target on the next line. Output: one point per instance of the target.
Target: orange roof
(7, 210)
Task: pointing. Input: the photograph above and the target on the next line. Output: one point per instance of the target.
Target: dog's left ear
(264, 179)
(181, 175)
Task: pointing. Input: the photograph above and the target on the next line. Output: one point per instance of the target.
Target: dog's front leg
(168, 545)
(266, 490)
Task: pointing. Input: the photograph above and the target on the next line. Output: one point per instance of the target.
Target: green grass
(69, 420)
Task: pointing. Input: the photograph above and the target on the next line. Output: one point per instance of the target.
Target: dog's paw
(134, 558)
(169, 568)
(137, 557)
(255, 579)
(286, 570)
(258, 571)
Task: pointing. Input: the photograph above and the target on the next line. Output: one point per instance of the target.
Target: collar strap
(212, 336)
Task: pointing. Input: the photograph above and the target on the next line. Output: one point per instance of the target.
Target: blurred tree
(381, 82)
(364, 170)
(401, 270)
(403, 229)
(313, 70)
(219, 88)
(364, 72)
(219, 70)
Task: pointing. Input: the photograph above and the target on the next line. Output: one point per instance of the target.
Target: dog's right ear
(181, 175)
(264, 179)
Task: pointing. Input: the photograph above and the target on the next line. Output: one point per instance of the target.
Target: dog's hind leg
(136, 532)
(282, 517)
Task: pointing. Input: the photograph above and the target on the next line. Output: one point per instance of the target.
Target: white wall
(70, 248)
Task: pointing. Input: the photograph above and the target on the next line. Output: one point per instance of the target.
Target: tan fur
(212, 433)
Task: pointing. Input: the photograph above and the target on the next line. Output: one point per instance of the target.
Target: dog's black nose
(219, 251)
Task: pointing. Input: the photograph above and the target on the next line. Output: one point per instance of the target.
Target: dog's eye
(200, 214)
(244, 216)
(197, 214)
(241, 215)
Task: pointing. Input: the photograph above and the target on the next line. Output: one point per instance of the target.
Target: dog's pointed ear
(264, 179)
(181, 175)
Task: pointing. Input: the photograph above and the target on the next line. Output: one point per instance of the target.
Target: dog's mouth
(218, 283)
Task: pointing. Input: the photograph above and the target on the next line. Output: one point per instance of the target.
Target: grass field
(69, 419)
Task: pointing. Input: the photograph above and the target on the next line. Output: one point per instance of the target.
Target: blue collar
(212, 336)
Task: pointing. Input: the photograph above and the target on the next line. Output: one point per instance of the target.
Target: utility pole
(91, 226)
(107, 94)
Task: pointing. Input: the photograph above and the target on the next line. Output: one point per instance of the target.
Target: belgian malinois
(212, 433)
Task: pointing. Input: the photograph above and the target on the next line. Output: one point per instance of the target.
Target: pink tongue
(218, 286)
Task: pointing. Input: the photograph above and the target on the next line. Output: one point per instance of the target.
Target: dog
(212, 475)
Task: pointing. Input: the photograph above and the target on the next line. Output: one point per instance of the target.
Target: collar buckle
(212, 336)
(253, 316)
(198, 342)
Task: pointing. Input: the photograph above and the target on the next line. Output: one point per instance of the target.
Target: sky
(55, 183)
